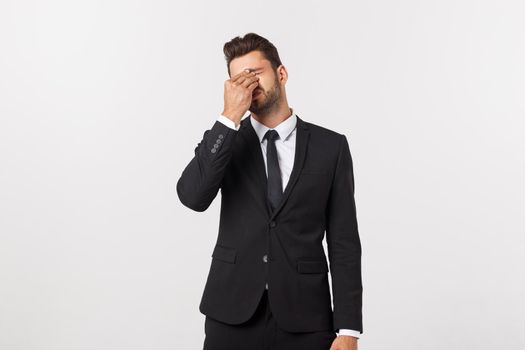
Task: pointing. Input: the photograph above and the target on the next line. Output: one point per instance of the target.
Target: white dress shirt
(285, 145)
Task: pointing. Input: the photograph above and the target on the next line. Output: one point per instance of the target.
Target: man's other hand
(344, 342)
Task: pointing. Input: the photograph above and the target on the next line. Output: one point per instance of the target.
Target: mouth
(257, 93)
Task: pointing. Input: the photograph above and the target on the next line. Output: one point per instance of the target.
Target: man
(283, 182)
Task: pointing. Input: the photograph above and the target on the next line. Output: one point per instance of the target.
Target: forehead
(253, 61)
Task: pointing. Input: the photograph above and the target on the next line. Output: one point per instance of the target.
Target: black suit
(283, 247)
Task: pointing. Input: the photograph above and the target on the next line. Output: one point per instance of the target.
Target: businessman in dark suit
(284, 182)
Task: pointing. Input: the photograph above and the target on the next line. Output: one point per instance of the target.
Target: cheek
(263, 83)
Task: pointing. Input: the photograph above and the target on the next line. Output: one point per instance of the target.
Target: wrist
(347, 336)
(235, 117)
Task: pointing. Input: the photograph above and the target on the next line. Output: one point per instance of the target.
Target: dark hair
(238, 46)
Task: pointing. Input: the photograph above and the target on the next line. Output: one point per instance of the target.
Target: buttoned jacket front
(283, 248)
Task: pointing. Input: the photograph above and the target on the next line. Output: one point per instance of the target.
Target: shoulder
(329, 137)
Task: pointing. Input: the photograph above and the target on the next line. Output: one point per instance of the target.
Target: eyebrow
(254, 69)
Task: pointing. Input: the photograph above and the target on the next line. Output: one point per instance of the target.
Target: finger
(243, 76)
(235, 77)
(238, 75)
(241, 81)
(246, 71)
(249, 80)
(253, 85)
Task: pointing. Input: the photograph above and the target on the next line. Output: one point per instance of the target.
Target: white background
(103, 102)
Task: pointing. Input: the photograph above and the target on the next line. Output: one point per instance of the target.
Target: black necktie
(275, 185)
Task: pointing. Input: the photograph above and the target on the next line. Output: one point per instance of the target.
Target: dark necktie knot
(271, 135)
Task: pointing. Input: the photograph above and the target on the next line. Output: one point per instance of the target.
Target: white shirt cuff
(228, 122)
(350, 332)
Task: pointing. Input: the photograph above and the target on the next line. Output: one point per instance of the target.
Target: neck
(275, 117)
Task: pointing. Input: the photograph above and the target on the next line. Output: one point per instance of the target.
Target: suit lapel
(257, 170)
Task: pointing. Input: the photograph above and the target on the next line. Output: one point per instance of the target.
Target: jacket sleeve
(344, 246)
(201, 179)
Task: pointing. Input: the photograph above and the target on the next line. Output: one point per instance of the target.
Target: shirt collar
(284, 128)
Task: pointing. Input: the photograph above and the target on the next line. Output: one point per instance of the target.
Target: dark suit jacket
(319, 196)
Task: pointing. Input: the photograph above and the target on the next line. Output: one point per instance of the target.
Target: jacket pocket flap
(312, 266)
(224, 253)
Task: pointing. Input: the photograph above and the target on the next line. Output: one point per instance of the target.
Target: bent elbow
(191, 201)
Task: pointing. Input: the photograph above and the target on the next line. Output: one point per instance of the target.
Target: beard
(267, 101)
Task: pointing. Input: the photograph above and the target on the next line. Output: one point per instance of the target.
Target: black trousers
(262, 333)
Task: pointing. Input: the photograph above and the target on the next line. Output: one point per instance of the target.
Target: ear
(282, 74)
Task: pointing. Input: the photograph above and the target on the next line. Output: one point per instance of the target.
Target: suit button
(213, 150)
(265, 258)
(220, 136)
(218, 141)
(216, 145)
(273, 223)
